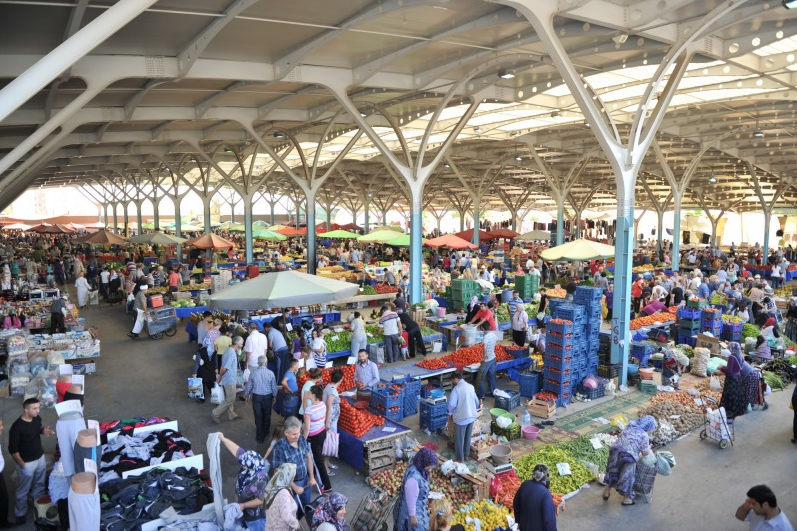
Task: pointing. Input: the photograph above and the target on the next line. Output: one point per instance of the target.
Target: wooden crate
(541, 408)
(481, 486)
(419, 316)
(371, 470)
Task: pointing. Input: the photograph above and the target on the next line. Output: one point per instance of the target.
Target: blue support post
(206, 215)
(248, 229)
(367, 217)
(621, 335)
(767, 222)
(311, 240)
(660, 230)
(416, 256)
(476, 221)
(675, 257)
(178, 224)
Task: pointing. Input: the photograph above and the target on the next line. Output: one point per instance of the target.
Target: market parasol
(148, 226)
(350, 226)
(280, 290)
(394, 228)
(17, 226)
(450, 241)
(402, 241)
(260, 233)
(185, 227)
(535, 235)
(56, 229)
(209, 241)
(507, 234)
(39, 228)
(275, 228)
(290, 231)
(340, 234)
(380, 235)
(578, 250)
(260, 223)
(468, 235)
(102, 237)
(157, 238)
(96, 225)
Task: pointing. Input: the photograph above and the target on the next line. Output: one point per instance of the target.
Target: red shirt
(487, 315)
(636, 289)
(174, 279)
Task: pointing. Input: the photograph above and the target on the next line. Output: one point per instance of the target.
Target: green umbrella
(260, 223)
(380, 236)
(156, 237)
(148, 226)
(238, 227)
(339, 234)
(394, 228)
(402, 241)
(226, 225)
(264, 234)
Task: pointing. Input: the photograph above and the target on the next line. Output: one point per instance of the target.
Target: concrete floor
(148, 378)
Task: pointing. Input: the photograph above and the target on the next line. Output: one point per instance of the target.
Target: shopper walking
(57, 310)
(391, 328)
(520, 324)
(293, 448)
(486, 375)
(533, 505)
(359, 339)
(4, 521)
(255, 346)
(278, 345)
(228, 378)
(315, 432)
(260, 390)
(25, 447)
(462, 408)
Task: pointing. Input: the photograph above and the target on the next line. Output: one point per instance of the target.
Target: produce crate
(588, 294)
(394, 413)
(412, 388)
(561, 328)
(556, 387)
(410, 405)
(731, 332)
(510, 434)
(609, 371)
(696, 303)
(540, 408)
(648, 387)
(549, 373)
(555, 362)
(378, 464)
(555, 338)
(712, 314)
(563, 400)
(715, 329)
(692, 325)
(559, 351)
(517, 352)
(508, 404)
(434, 411)
(570, 312)
(689, 313)
(530, 383)
(380, 397)
(426, 390)
(634, 379)
(433, 424)
(641, 349)
(479, 453)
(686, 340)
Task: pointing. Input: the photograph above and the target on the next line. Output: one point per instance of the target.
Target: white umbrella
(535, 235)
(282, 289)
(578, 250)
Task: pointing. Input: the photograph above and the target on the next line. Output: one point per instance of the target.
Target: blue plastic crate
(395, 416)
(559, 351)
(555, 338)
(589, 293)
(563, 400)
(689, 313)
(558, 363)
(689, 324)
(715, 331)
(508, 404)
(433, 411)
(731, 333)
(571, 312)
(555, 387)
(412, 388)
(711, 314)
(426, 391)
(410, 406)
(560, 328)
(559, 377)
(640, 349)
(433, 424)
(530, 383)
(380, 397)
(686, 340)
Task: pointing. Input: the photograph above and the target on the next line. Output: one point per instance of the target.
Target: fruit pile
(433, 364)
(651, 320)
(556, 293)
(390, 482)
(467, 356)
(369, 290)
(346, 384)
(384, 288)
(492, 516)
(732, 319)
(355, 421)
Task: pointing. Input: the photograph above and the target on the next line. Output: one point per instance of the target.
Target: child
(404, 343)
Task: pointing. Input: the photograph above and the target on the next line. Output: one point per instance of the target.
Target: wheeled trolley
(160, 322)
(374, 511)
(717, 425)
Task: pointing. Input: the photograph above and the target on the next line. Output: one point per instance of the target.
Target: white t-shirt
(759, 523)
(255, 347)
(104, 276)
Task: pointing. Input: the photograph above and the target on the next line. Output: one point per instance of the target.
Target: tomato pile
(547, 396)
(357, 422)
(433, 364)
(346, 384)
(651, 320)
(385, 288)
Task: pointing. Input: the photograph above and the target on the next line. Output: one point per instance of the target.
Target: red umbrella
(350, 226)
(468, 235)
(209, 241)
(451, 241)
(504, 233)
(290, 231)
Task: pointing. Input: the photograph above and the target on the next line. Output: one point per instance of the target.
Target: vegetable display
(732, 319)
(390, 482)
(683, 418)
(551, 455)
(749, 330)
(651, 320)
(492, 516)
(369, 290)
(781, 368)
(774, 381)
(356, 421)
(345, 384)
(382, 289)
(583, 450)
(338, 341)
(376, 335)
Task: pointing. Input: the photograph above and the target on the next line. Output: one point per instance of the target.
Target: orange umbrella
(468, 235)
(503, 233)
(209, 241)
(102, 237)
(451, 241)
(290, 231)
(39, 228)
(57, 229)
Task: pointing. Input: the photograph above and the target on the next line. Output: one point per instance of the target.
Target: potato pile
(683, 418)
(705, 385)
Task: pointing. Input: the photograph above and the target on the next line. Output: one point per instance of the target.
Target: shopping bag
(715, 385)
(217, 394)
(195, 388)
(330, 448)
(247, 372)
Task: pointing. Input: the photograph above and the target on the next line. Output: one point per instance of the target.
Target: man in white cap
(140, 307)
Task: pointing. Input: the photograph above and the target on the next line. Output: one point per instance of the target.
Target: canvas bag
(331, 443)
(195, 388)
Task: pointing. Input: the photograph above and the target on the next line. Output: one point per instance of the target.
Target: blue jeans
(307, 496)
(462, 437)
(487, 372)
(257, 525)
(358, 344)
(392, 352)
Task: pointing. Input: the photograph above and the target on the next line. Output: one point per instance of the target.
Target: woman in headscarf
(473, 309)
(770, 329)
(762, 350)
(411, 512)
(280, 503)
(750, 378)
(670, 368)
(734, 397)
(634, 442)
(533, 505)
(251, 484)
(332, 511)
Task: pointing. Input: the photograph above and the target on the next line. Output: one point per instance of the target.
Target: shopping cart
(718, 427)
(160, 322)
(374, 511)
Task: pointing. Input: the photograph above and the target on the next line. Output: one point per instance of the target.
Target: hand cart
(160, 322)
(718, 427)
(374, 511)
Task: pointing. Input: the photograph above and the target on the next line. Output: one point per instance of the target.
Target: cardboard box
(711, 343)
(84, 368)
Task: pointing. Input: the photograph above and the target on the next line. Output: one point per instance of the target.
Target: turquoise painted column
(675, 255)
(660, 230)
(416, 245)
(206, 215)
(621, 334)
(311, 240)
(139, 219)
(273, 206)
(461, 221)
(476, 202)
(248, 229)
(367, 217)
(560, 224)
(577, 225)
(329, 220)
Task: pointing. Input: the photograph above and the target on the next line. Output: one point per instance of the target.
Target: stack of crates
(433, 416)
(561, 349)
(712, 321)
(412, 391)
(527, 286)
(590, 299)
(388, 402)
(731, 331)
(461, 291)
(530, 383)
(642, 350)
(604, 347)
(688, 324)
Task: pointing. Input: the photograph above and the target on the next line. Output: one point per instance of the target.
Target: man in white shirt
(762, 511)
(530, 264)
(105, 276)
(255, 346)
(533, 270)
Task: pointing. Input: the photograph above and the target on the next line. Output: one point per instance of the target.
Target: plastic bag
(620, 421)
(715, 384)
(217, 394)
(503, 422)
(649, 459)
(195, 388)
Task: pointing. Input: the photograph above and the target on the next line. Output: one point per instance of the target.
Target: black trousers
(57, 323)
(415, 341)
(261, 406)
(519, 337)
(3, 500)
(317, 446)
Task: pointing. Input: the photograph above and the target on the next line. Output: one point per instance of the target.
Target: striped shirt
(513, 304)
(318, 417)
(261, 382)
(389, 323)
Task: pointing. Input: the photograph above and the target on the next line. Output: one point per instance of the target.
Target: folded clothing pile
(127, 426)
(128, 503)
(129, 452)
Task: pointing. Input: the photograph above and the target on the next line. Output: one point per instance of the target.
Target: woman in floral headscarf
(331, 511)
(251, 484)
(623, 455)
(411, 512)
(279, 501)
(473, 309)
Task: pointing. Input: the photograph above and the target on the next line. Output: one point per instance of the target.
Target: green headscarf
(282, 479)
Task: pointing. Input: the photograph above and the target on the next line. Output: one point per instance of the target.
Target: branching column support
(698, 194)
(766, 206)
(624, 157)
(579, 207)
(461, 205)
(201, 184)
(660, 207)
(173, 178)
(476, 189)
(513, 206)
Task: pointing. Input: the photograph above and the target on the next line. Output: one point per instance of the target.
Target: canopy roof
(280, 290)
(578, 250)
